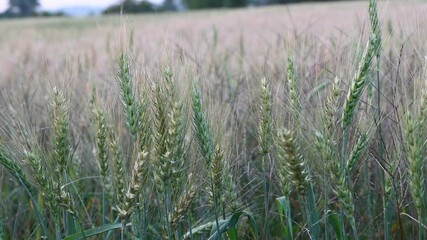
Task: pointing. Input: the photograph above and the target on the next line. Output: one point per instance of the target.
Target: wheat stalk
(337, 175)
(170, 135)
(205, 141)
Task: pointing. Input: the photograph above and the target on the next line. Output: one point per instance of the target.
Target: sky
(57, 4)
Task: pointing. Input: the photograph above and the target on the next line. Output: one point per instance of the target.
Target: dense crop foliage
(220, 147)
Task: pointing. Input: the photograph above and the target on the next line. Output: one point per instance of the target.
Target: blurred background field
(263, 33)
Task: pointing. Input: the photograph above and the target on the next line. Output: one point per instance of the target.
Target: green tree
(202, 4)
(169, 5)
(22, 7)
(130, 6)
(234, 3)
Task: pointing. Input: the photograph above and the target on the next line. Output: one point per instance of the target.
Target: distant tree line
(135, 6)
(28, 8)
(131, 6)
(197, 4)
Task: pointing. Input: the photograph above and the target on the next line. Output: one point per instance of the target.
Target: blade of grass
(96, 231)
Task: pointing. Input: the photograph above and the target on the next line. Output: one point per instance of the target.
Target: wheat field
(303, 121)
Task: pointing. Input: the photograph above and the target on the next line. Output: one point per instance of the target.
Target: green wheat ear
(202, 129)
(294, 160)
(361, 77)
(358, 83)
(357, 152)
(38, 172)
(415, 158)
(102, 145)
(13, 167)
(136, 184)
(217, 171)
(293, 92)
(182, 206)
(265, 122)
(282, 166)
(61, 128)
(374, 21)
(331, 109)
(128, 99)
(422, 109)
(119, 171)
(340, 187)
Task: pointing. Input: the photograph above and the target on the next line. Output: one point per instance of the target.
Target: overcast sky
(56, 4)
